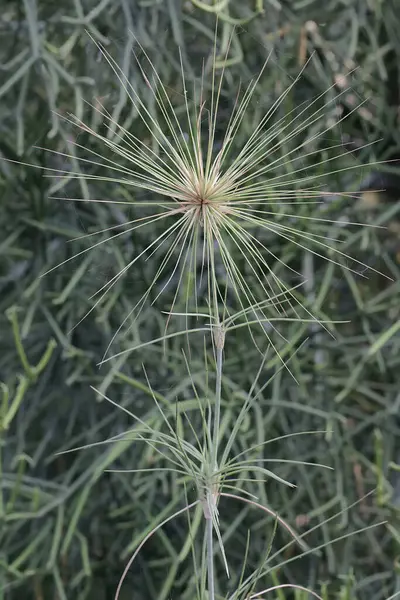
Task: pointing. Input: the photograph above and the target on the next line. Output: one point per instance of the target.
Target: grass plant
(219, 217)
(211, 203)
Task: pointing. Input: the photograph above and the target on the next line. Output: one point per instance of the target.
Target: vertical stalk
(210, 558)
(219, 339)
(217, 407)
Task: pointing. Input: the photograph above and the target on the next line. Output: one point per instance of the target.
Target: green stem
(11, 314)
(217, 408)
(210, 558)
(219, 338)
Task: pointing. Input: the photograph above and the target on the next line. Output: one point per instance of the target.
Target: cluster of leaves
(67, 528)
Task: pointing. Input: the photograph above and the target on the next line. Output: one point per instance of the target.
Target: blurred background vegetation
(67, 528)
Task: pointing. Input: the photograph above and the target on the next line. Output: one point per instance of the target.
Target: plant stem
(210, 558)
(217, 409)
(219, 346)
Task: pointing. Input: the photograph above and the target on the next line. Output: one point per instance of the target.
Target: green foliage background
(66, 527)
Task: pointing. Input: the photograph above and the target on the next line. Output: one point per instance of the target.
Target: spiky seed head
(219, 200)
